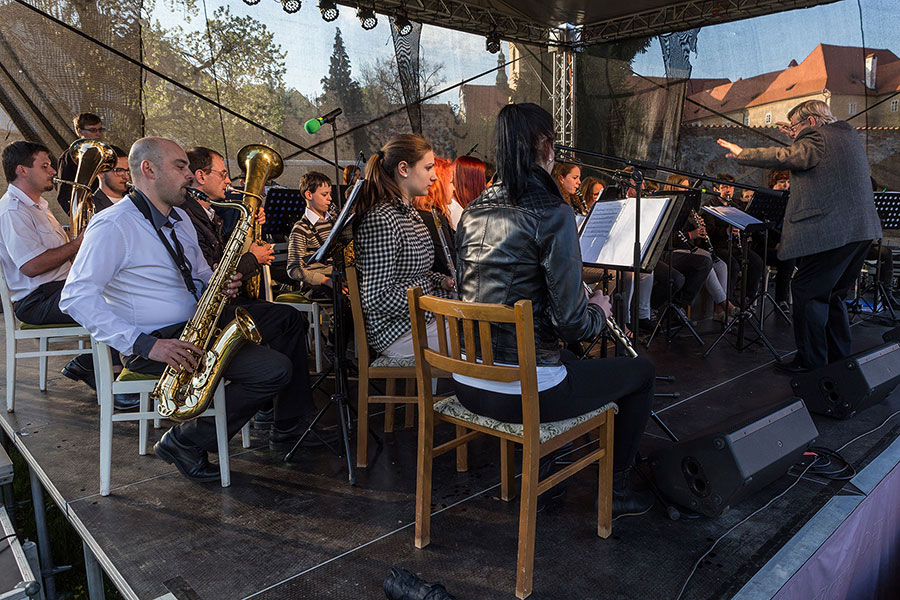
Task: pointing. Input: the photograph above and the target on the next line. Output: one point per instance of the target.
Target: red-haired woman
(469, 181)
(435, 208)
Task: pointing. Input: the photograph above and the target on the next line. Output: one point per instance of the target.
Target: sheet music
(607, 237)
(579, 221)
(733, 216)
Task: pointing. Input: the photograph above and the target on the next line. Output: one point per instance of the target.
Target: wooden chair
(130, 382)
(16, 330)
(391, 370)
(537, 439)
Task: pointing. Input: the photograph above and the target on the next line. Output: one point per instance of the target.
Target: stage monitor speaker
(891, 335)
(848, 386)
(726, 464)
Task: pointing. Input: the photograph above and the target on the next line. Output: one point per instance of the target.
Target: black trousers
(629, 382)
(41, 307)
(784, 272)
(755, 269)
(695, 268)
(820, 287)
(257, 375)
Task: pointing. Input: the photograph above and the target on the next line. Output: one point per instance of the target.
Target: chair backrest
(453, 316)
(363, 354)
(9, 317)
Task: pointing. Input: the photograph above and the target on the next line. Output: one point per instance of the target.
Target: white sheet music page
(607, 236)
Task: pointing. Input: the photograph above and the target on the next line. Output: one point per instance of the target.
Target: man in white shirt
(35, 252)
(113, 183)
(137, 280)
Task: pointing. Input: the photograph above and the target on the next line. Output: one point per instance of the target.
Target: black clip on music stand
(334, 248)
(769, 209)
(742, 222)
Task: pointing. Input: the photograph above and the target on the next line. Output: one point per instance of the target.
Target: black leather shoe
(191, 461)
(76, 372)
(125, 402)
(264, 419)
(627, 502)
(283, 440)
(791, 368)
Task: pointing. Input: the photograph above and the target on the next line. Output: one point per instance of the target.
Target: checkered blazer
(393, 253)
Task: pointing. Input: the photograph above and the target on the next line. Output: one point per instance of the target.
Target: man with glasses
(829, 224)
(114, 183)
(87, 126)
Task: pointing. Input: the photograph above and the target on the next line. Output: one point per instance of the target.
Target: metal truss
(564, 84)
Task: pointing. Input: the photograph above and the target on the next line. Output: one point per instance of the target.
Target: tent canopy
(531, 21)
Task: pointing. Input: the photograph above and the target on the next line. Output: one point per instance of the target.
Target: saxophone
(181, 395)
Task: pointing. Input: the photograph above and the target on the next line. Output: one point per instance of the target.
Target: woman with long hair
(468, 182)
(434, 208)
(568, 177)
(518, 241)
(393, 248)
(591, 188)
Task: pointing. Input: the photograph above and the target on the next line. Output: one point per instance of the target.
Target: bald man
(137, 280)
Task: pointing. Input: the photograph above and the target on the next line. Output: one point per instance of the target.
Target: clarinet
(444, 247)
(709, 246)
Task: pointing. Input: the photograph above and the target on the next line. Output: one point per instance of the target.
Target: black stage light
(290, 6)
(492, 42)
(329, 10)
(367, 17)
(402, 24)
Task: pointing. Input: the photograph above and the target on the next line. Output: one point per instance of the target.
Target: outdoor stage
(299, 530)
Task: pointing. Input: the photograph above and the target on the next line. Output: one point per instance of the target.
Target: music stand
(887, 204)
(284, 207)
(740, 220)
(333, 248)
(768, 208)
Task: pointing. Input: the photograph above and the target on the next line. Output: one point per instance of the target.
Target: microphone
(313, 125)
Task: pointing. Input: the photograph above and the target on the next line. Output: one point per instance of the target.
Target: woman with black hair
(518, 241)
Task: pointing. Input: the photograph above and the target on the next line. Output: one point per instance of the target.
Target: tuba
(259, 164)
(181, 395)
(93, 157)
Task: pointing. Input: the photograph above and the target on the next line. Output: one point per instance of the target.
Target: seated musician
(435, 209)
(309, 234)
(518, 241)
(113, 183)
(393, 249)
(568, 177)
(137, 280)
(36, 254)
(282, 327)
(88, 126)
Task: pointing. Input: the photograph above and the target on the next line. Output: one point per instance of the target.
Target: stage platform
(286, 531)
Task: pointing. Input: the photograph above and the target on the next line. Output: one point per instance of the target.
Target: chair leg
(106, 423)
(42, 380)
(317, 330)
(362, 422)
(604, 491)
(507, 470)
(390, 386)
(245, 435)
(222, 435)
(11, 375)
(527, 521)
(462, 451)
(143, 425)
(409, 411)
(424, 462)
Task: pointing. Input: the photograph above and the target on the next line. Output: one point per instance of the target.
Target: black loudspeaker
(723, 465)
(848, 386)
(891, 335)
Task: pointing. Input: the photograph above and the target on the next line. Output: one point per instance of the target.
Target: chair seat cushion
(129, 375)
(292, 298)
(451, 407)
(47, 325)
(386, 361)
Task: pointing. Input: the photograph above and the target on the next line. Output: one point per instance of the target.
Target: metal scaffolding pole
(564, 82)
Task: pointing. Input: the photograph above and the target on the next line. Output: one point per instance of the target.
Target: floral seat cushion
(451, 407)
(385, 361)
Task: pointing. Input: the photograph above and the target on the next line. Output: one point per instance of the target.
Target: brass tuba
(181, 395)
(93, 157)
(259, 164)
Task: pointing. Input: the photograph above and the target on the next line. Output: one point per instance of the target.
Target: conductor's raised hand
(602, 300)
(176, 354)
(733, 149)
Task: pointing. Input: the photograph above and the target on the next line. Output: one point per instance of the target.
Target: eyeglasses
(223, 174)
(120, 171)
(97, 129)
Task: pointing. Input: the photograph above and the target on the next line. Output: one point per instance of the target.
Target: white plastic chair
(107, 387)
(16, 330)
(315, 312)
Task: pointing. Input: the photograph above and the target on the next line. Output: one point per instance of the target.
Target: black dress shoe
(126, 402)
(191, 461)
(264, 419)
(75, 371)
(626, 502)
(791, 368)
(283, 440)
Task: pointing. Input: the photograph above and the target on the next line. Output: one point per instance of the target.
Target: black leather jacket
(526, 249)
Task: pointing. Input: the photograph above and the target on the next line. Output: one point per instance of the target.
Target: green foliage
(339, 81)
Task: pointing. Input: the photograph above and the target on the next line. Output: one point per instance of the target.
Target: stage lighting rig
(290, 6)
(492, 42)
(367, 17)
(251, 2)
(329, 10)
(402, 23)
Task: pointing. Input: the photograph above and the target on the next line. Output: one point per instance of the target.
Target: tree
(339, 81)
(381, 86)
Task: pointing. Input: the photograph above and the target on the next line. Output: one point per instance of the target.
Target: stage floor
(284, 531)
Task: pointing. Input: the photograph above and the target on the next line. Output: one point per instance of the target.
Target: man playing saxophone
(135, 281)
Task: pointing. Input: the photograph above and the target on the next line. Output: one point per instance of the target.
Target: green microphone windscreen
(312, 126)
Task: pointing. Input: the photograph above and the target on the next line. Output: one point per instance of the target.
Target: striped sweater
(305, 239)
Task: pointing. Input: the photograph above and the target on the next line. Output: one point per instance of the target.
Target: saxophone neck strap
(177, 253)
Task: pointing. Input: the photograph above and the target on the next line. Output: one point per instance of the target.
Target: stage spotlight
(492, 42)
(402, 24)
(329, 10)
(290, 6)
(367, 17)
(251, 2)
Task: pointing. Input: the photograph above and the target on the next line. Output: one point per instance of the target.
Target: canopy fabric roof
(531, 21)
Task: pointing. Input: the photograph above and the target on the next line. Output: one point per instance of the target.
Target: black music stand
(333, 248)
(769, 209)
(740, 220)
(284, 207)
(887, 204)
